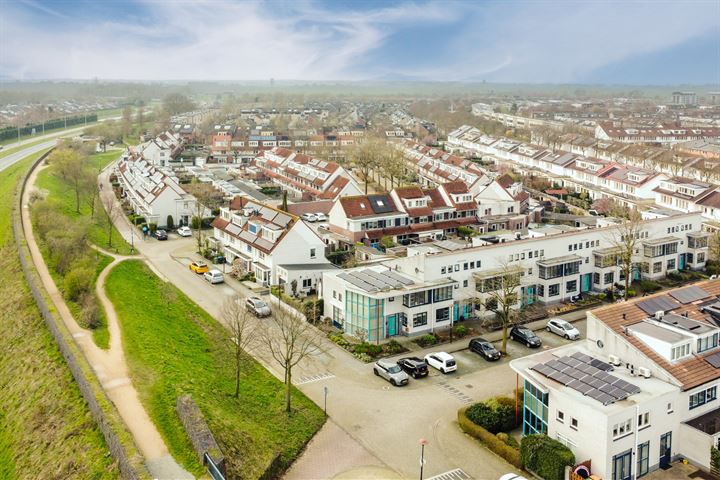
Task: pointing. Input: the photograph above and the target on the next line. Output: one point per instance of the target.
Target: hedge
(492, 442)
(494, 415)
(545, 457)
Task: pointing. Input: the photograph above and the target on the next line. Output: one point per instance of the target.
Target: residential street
(387, 422)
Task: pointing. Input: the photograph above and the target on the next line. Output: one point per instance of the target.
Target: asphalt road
(13, 158)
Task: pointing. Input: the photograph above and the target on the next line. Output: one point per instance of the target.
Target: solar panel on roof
(581, 387)
(399, 278)
(689, 294)
(380, 203)
(663, 303)
(282, 219)
(713, 359)
(606, 367)
(582, 357)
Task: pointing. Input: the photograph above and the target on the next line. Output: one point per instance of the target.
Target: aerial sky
(530, 41)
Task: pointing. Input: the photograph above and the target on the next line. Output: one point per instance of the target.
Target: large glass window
(442, 314)
(363, 316)
(442, 294)
(702, 397)
(554, 290)
(417, 298)
(419, 319)
(707, 343)
(535, 410)
(643, 457)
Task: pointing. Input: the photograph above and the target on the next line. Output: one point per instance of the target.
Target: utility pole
(423, 442)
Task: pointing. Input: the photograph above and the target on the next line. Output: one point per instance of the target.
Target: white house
(161, 150)
(274, 245)
(152, 193)
(640, 391)
(689, 195)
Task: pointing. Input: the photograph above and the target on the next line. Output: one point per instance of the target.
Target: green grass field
(46, 430)
(174, 347)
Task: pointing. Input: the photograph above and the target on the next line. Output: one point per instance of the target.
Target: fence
(130, 465)
(13, 132)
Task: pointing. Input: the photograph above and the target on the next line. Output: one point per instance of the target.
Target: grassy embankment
(60, 198)
(174, 347)
(46, 430)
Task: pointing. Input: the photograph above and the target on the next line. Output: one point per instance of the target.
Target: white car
(321, 217)
(309, 217)
(512, 476)
(561, 327)
(442, 361)
(184, 232)
(214, 276)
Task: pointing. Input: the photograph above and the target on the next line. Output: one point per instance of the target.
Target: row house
(275, 246)
(640, 392)
(661, 135)
(161, 150)
(435, 166)
(305, 177)
(689, 195)
(153, 194)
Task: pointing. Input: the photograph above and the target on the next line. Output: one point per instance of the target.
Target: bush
(649, 286)
(393, 347)
(369, 349)
(545, 457)
(508, 439)
(338, 339)
(195, 223)
(500, 448)
(427, 340)
(90, 311)
(169, 222)
(631, 292)
(460, 331)
(494, 415)
(152, 227)
(313, 310)
(363, 357)
(77, 282)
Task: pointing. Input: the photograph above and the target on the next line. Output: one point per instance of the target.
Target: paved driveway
(386, 421)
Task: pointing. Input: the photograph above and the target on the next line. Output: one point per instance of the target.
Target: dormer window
(252, 228)
(679, 352)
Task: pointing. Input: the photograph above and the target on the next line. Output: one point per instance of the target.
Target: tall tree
(69, 165)
(110, 214)
(206, 198)
(364, 159)
(393, 165)
(503, 297)
(626, 238)
(289, 339)
(714, 246)
(241, 325)
(126, 122)
(176, 103)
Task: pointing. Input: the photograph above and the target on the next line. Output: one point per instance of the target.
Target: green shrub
(649, 286)
(427, 340)
(195, 223)
(493, 443)
(368, 348)
(545, 457)
(715, 458)
(153, 227)
(393, 347)
(313, 310)
(363, 357)
(169, 222)
(77, 281)
(460, 331)
(631, 292)
(494, 415)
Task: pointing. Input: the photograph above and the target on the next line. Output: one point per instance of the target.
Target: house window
(643, 457)
(707, 343)
(680, 351)
(442, 294)
(554, 290)
(643, 420)
(465, 283)
(596, 278)
(419, 319)
(702, 397)
(609, 277)
(574, 423)
(465, 266)
(657, 267)
(669, 408)
(621, 429)
(307, 282)
(334, 294)
(312, 253)
(671, 264)
(472, 265)
(443, 271)
(571, 286)
(560, 417)
(442, 314)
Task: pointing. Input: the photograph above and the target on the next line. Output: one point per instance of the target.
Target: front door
(529, 294)
(391, 325)
(665, 449)
(622, 466)
(586, 283)
(681, 262)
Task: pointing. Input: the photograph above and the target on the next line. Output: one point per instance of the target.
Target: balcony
(492, 280)
(559, 266)
(698, 240)
(607, 257)
(660, 247)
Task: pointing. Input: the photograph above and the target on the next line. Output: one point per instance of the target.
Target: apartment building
(640, 391)
(436, 167)
(670, 134)
(553, 266)
(689, 195)
(306, 177)
(274, 245)
(152, 193)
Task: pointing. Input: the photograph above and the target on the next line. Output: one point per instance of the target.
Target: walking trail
(109, 365)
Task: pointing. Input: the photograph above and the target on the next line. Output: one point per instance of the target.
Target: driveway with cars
(387, 422)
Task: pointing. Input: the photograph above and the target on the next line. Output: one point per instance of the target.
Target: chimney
(624, 316)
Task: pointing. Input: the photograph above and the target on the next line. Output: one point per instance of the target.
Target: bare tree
(206, 198)
(242, 331)
(364, 159)
(394, 165)
(126, 122)
(69, 165)
(289, 339)
(626, 238)
(714, 246)
(503, 296)
(111, 213)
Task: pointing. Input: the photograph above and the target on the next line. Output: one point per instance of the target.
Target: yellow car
(199, 267)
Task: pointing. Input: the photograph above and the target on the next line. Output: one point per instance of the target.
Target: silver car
(391, 372)
(561, 327)
(257, 306)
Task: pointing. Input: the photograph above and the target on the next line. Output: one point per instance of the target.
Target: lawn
(174, 347)
(46, 430)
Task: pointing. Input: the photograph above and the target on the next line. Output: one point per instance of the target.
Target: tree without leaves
(289, 339)
(241, 325)
(175, 103)
(126, 122)
(69, 165)
(625, 239)
(714, 246)
(503, 296)
(111, 213)
(206, 198)
(364, 159)
(393, 163)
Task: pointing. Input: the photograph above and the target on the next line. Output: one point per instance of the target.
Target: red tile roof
(409, 192)
(457, 187)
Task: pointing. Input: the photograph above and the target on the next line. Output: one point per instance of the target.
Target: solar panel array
(688, 294)
(371, 281)
(380, 203)
(656, 304)
(713, 359)
(588, 376)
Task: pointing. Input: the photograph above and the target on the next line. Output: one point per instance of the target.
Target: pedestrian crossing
(456, 474)
(455, 392)
(312, 378)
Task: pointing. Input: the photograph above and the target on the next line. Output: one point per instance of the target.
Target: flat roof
(657, 332)
(309, 266)
(560, 260)
(708, 423)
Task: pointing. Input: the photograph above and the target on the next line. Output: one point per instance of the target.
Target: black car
(484, 348)
(414, 366)
(526, 336)
(161, 234)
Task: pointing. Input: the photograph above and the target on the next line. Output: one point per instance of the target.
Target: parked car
(214, 276)
(483, 347)
(184, 232)
(526, 336)
(321, 217)
(414, 366)
(257, 306)
(199, 267)
(309, 217)
(442, 361)
(558, 326)
(161, 234)
(391, 372)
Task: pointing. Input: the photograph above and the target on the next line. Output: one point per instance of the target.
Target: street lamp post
(423, 442)
(326, 390)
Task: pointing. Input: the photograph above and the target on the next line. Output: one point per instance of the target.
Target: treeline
(8, 133)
